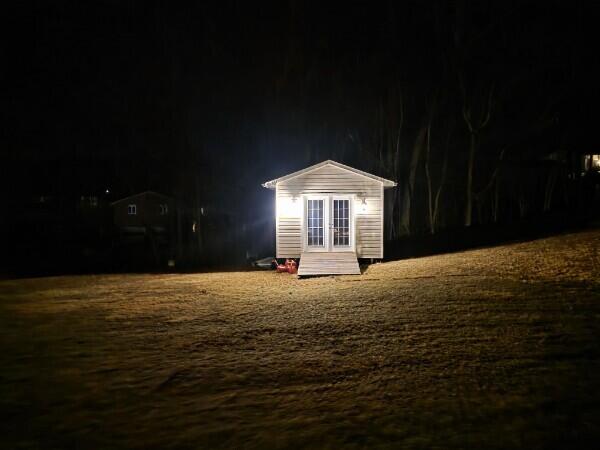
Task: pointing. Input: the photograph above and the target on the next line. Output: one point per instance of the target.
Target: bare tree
(434, 199)
(495, 183)
(549, 188)
(475, 126)
(409, 184)
(395, 140)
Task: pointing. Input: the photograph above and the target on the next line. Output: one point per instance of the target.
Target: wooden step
(328, 263)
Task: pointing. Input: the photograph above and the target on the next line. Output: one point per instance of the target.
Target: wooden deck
(328, 263)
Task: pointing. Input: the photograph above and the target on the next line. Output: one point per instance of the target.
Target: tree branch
(489, 107)
(479, 194)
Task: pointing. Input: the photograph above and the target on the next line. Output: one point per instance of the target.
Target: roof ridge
(140, 193)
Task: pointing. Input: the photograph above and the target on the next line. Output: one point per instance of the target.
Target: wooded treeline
(479, 110)
(468, 107)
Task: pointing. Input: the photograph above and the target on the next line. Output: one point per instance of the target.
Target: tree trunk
(407, 192)
(522, 205)
(469, 197)
(179, 229)
(428, 178)
(550, 183)
(496, 200)
(199, 225)
(391, 203)
(396, 163)
(475, 127)
(436, 205)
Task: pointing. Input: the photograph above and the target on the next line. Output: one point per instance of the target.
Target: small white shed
(328, 215)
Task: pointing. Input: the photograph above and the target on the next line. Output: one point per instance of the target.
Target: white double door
(328, 223)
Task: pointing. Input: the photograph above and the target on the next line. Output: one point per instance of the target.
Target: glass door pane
(314, 225)
(341, 223)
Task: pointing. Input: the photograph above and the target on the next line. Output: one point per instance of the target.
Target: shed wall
(330, 180)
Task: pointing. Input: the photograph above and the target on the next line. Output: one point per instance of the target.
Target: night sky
(129, 96)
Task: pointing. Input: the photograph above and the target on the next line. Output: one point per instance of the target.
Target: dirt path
(490, 348)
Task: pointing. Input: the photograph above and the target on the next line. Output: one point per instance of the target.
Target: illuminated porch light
(363, 205)
(289, 207)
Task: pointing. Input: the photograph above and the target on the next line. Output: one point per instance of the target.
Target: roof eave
(386, 183)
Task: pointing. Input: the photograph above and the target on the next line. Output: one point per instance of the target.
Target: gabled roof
(386, 183)
(129, 197)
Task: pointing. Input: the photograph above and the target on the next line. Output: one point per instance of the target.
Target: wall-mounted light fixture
(289, 207)
(363, 205)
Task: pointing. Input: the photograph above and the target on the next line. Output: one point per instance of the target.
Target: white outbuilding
(329, 215)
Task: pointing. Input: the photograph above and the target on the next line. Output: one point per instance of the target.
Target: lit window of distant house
(132, 210)
(164, 209)
(593, 162)
(93, 201)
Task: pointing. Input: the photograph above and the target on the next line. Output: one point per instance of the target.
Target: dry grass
(492, 348)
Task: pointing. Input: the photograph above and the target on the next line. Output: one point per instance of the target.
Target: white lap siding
(369, 224)
(330, 179)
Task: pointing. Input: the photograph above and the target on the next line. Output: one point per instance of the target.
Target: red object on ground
(280, 267)
(289, 266)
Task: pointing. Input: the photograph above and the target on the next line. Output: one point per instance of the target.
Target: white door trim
(328, 223)
(325, 246)
(350, 247)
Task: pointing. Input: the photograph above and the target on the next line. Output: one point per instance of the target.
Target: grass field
(491, 348)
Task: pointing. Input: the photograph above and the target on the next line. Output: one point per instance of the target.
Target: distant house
(328, 215)
(146, 236)
(146, 212)
(591, 162)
